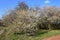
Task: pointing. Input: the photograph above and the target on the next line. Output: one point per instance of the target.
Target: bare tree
(22, 6)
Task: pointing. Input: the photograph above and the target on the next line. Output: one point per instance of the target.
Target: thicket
(29, 20)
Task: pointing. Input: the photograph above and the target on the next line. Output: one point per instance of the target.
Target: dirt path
(56, 37)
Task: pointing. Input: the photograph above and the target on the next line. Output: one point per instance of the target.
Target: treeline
(25, 19)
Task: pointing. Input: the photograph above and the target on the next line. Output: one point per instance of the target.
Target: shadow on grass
(19, 33)
(38, 33)
(41, 32)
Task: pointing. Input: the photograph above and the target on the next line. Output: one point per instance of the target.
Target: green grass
(39, 35)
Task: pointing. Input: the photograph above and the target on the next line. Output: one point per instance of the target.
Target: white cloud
(47, 1)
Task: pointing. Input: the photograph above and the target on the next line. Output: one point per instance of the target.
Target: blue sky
(4, 4)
